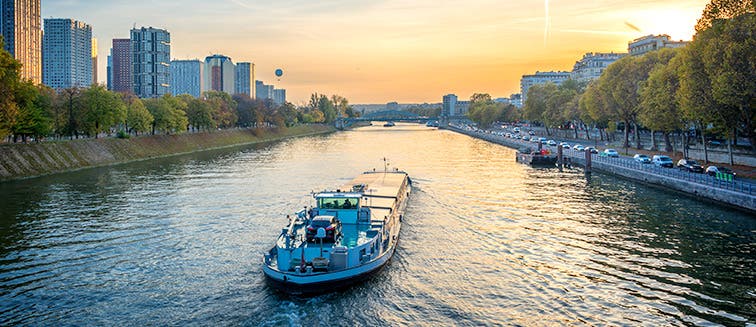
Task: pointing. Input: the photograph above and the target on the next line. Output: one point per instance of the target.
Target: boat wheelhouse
(348, 234)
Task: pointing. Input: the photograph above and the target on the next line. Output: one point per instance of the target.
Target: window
(338, 203)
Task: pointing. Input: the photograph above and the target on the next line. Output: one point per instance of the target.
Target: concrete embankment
(30, 160)
(716, 192)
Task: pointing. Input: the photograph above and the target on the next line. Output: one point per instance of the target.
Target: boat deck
(380, 197)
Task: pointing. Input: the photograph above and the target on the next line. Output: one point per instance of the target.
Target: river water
(486, 241)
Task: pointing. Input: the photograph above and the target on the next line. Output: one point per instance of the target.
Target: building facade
(151, 62)
(392, 106)
(593, 65)
(245, 74)
(187, 77)
(219, 74)
(66, 53)
(120, 69)
(94, 61)
(541, 78)
(21, 28)
(263, 91)
(279, 96)
(449, 105)
(109, 72)
(650, 43)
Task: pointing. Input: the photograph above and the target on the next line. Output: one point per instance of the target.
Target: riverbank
(739, 195)
(31, 160)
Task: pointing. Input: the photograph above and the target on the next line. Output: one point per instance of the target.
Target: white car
(642, 158)
(578, 147)
(610, 153)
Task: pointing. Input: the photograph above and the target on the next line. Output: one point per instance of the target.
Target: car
(610, 153)
(331, 224)
(516, 130)
(551, 142)
(642, 158)
(564, 145)
(509, 135)
(591, 149)
(517, 136)
(662, 161)
(690, 165)
(713, 170)
(578, 147)
(531, 133)
(542, 140)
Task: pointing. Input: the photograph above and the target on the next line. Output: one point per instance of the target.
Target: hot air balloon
(279, 72)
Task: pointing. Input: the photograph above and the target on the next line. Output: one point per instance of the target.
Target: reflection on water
(486, 241)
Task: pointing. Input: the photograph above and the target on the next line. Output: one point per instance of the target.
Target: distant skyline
(382, 51)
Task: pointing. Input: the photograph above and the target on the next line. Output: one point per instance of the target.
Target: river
(485, 241)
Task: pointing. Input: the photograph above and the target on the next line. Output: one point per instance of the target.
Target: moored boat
(535, 158)
(346, 236)
(389, 124)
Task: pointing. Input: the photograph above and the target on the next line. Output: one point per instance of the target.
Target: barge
(349, 234)
(540, 158)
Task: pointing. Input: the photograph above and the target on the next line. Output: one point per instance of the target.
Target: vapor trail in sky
(547, 20)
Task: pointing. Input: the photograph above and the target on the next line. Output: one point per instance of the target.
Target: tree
(166, 117)
(103, 109)
(729, 58)
(723, 9)
(660, 109)
(9, 80)
(223, 108)
(32, 120)
(138, 118)
(538, 106)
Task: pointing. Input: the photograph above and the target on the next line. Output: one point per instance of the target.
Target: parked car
(516, 130)
(542, 140)
(531, 133)
(578, 147)
(591, 149)
(610, 153)
(331, 225)
(642, 158)
(564, 145)
(713, 170)
(662, 161)
(690, 165)
(551, 142)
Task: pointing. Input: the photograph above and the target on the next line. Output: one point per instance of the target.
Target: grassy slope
(28, 160)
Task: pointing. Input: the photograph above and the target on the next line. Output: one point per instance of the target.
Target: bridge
(392, 115)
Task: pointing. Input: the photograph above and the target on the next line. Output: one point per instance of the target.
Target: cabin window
(338, 203)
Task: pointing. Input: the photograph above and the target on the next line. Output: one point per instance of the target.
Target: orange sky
(380, 51)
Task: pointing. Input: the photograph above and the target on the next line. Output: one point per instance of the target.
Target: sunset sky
(379, 51)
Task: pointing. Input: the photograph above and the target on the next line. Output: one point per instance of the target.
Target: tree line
(707, 86)
(29, 111)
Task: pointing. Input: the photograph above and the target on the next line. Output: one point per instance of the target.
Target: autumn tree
(723, 9)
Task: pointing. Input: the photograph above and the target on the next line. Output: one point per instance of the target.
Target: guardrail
(720, 181)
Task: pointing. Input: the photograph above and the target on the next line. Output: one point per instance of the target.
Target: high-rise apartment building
(263, 91)
(120, 69)
(187, 77)
(20, 26)
(541, 78)
(94, 61)
(110, 73)
(279, 96)
(219, 74)
(449, 106)
(245, 74)
(151, 62)
(66, 53)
